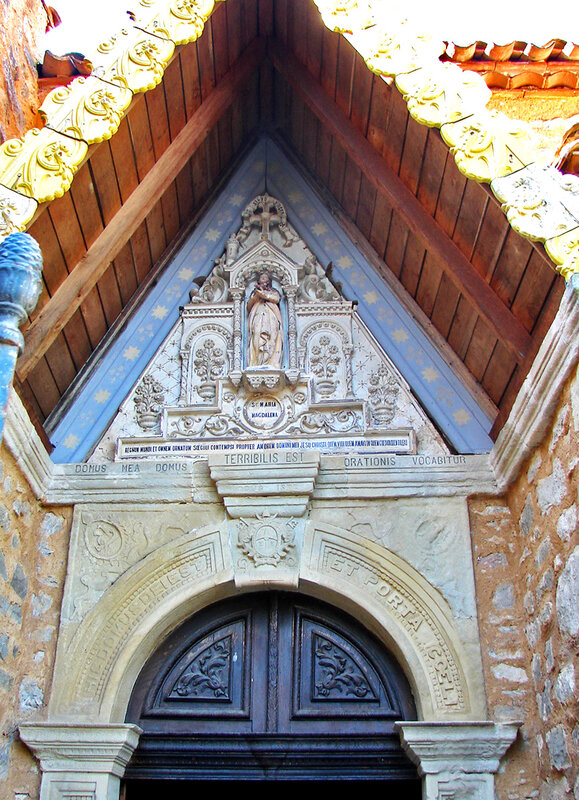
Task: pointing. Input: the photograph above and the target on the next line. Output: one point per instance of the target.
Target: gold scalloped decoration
(403, 51)
(182, 20)
(442, 93)
(90, 106)
(489, 145)
(564, 250)
(16, 211)
(41, 164)
(345, 16)
(141, 59)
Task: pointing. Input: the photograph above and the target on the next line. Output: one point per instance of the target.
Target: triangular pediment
(408, 348)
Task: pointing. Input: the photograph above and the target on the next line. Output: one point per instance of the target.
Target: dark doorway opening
(270, 686)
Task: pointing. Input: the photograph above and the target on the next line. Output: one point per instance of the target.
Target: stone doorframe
(457, 760)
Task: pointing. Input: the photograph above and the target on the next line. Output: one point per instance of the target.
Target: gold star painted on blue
(185, 274)
(71, 441)
(131, 353)
(461, 417)
(319, 229)
(212, 234)
(399, 335)
(102, 396)
(345, 262)
(371, 297)
(430, 374)
(160, 312)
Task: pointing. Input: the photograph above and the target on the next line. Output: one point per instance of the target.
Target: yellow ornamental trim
(442, 93)
(41, 164)
(137, 60)
(345, 16)
(91, 107)
(16, 211)
(403, 50)
(564, 250)
(489, 145)
(182, 20)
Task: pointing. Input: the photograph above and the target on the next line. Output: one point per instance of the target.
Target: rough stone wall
(22, 25)
(33, 551)
(526, 552)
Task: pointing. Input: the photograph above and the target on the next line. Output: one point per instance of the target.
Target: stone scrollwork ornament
(403, 50)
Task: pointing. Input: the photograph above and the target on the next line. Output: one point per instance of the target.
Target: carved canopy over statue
(264, 325)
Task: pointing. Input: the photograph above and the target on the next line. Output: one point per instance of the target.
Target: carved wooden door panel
(270, 686)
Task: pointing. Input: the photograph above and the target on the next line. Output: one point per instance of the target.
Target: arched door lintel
(100, 661)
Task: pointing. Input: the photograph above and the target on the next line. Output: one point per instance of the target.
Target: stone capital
(457, 759)
(80, 761)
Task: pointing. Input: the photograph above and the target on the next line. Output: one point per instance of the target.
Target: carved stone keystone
(279, 482)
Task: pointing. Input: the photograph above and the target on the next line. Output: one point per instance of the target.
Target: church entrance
(270, 686)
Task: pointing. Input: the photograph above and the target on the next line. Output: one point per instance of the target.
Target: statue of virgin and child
(264, 325)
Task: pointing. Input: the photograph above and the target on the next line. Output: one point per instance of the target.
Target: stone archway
(99, 660)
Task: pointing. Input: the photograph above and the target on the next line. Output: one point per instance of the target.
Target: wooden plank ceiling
(271, 64)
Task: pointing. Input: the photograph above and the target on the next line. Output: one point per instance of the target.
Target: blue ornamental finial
(20, 285)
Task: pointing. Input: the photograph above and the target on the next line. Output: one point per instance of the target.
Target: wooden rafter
(72, 292)
(459, 269)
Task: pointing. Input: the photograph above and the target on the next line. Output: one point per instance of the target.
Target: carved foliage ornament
(141, 59)
(208, 364)
(148, 399)
(383, 391)
(208, 677)
(16, 211)
(336, 674)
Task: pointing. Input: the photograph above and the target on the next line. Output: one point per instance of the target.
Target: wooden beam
(85, 275)
(459, 269)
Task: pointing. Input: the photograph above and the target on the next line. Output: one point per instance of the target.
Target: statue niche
(264, 325)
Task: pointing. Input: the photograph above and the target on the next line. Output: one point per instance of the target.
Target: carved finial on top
(266, 212)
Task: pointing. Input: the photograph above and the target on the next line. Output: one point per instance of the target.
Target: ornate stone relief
(148, 399)
(267, 352)
(266, 541)
(134, 59)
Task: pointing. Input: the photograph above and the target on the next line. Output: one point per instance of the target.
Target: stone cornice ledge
(537, 400)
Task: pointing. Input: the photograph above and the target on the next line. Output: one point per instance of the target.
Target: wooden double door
(270, 686)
